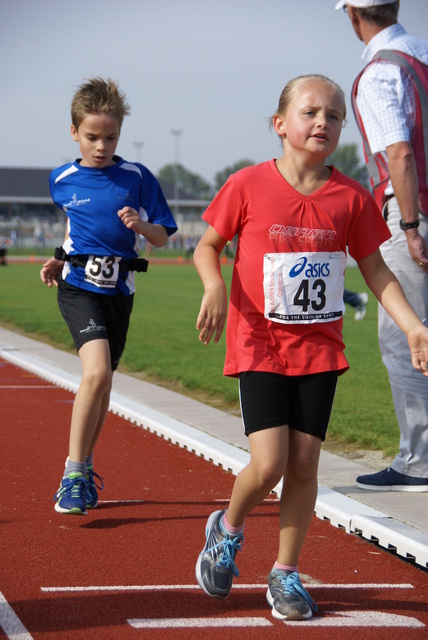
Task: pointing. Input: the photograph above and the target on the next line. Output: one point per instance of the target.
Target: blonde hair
(98, 96)
(291, 87)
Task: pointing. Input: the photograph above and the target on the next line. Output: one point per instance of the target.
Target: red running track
(127, 569)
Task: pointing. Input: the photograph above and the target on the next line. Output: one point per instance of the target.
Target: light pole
(176, 133)
(139, 145)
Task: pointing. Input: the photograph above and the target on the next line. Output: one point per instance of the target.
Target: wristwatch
(409, 225)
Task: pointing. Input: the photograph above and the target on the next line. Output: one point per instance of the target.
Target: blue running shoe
(71, 495)
(287, 596)
(216, 566)
(92, 493)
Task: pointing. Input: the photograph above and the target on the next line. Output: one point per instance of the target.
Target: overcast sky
(212, 69)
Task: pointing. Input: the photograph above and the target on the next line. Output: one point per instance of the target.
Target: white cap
(360, 4)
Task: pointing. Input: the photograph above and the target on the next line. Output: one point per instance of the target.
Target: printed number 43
(303, 295)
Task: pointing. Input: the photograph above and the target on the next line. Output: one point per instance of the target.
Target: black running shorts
(95, 316)
(303, 403)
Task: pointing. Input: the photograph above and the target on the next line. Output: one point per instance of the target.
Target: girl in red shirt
(295, 219)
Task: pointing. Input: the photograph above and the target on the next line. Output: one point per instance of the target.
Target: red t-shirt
(286, 300)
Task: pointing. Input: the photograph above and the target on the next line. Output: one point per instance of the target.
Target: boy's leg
(92, 399)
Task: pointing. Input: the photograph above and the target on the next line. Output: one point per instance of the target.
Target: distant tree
(187, 180)
(221, 176)
(346, 160)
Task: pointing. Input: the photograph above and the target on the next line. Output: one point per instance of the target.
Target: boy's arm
(388, 291)
(156, 234)
(213, 311)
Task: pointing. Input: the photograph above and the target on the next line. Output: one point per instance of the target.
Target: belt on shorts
(80, 260)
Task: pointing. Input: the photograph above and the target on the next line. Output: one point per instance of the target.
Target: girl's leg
(268, 462)
(92, 398)
(298, 495)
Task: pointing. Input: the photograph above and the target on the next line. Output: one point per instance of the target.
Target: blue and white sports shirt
(91, 199)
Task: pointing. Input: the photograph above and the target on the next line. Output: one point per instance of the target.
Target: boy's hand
(130, 218)
(212, 315)
(418, 343)
(50, 272)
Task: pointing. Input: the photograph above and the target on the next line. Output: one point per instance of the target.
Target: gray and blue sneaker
(287, 596)
(71, 495)
(216, 566)
(92, 493)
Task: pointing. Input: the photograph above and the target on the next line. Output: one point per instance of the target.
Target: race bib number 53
(302, 288)
(102, 271)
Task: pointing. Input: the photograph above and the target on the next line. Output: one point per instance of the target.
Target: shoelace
(230, 548)
(75, 488)
(91, 473)
(292, 583)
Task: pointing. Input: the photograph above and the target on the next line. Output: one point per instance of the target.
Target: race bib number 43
(302, 288)
(102, 271)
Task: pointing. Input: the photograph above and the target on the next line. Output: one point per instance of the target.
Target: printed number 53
(103, 266)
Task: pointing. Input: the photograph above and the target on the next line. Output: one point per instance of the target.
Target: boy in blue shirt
(109, 204)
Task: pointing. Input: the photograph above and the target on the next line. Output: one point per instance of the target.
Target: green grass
(163, 346)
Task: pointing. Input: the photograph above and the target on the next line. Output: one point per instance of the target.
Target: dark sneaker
(390, 480)
(216, 566)
(287, 596)
(92, 493)
(71, 495)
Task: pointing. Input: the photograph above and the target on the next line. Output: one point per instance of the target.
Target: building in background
(28, 217)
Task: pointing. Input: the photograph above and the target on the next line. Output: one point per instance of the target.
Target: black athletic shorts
(94, 316)
(303, 403)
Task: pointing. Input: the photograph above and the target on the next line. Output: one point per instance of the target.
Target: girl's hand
(50, 272)
(418, 343)
(212, 314)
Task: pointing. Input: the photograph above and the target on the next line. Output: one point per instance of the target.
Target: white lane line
(360, 619)
(10, 623)
(27, 386)
(186, 587)
(201, 623)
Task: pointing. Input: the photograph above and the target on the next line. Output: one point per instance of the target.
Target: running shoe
(92, 493)
(72, 494)
(360, 309)
(287, 596)
(391, 480)
(216, 566)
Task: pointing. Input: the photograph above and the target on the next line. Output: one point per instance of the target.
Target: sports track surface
(127, 569)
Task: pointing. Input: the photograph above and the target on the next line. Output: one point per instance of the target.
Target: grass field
(163, 347)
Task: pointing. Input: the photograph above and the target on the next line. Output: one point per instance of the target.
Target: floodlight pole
(176, 133)
(139, 145)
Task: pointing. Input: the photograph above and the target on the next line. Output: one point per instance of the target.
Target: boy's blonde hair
(289, 91)
(98, 96)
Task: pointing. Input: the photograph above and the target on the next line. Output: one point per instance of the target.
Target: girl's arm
(213, 311)
(388, 291)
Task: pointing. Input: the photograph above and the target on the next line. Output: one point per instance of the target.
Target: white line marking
(10, 623)
(186, 587)
(27, 386)
(121, 501)
(360, 619)
(185, 623)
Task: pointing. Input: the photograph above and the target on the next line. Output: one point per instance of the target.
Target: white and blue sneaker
(72, 494)
(216, 566)
(287, 596)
